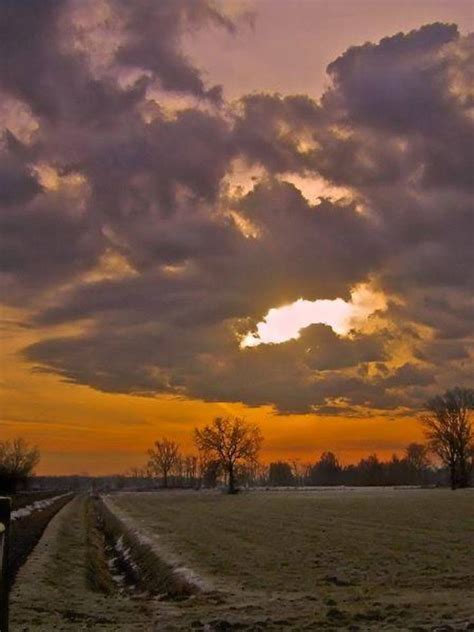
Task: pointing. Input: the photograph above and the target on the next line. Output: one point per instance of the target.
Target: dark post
(5, 510)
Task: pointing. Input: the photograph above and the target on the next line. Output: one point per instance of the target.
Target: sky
(256, 208)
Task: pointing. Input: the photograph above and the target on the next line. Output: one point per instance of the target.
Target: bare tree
(298, 471)
(417, 460)
(231, 441)
(136, 472)
(190, 469)
(449, 431)
(163, 457)
(416, 455)
(17, 462)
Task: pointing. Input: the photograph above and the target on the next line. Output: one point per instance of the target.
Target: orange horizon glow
(81, 430)
(72, 449)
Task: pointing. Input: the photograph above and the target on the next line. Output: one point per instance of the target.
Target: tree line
(228, 447)
(415, 467)
(228, 451)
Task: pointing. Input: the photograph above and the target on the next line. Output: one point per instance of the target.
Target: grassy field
(320, 560)
(378, 559)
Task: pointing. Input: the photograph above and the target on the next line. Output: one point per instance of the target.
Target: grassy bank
(146, 567)
(26, 532)
(54, 589)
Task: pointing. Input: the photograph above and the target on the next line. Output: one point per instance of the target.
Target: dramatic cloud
(286, 322)
(121, 211)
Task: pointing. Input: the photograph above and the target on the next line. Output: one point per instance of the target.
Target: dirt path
(51, 591)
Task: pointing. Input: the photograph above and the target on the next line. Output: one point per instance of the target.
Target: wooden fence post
(5, 511)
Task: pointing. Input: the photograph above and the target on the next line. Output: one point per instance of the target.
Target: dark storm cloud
(409, 375)
(17, 184)
(147, 181)
(90, 127)
(23, 68)
(203, 362)
(55, 84)
(389, 84)
(227, 275)
(440, 351)
(41, 244)
(408, 150)
(269, 128)
(326, 350)
(153, 31)
(319, 251)
(58, 84)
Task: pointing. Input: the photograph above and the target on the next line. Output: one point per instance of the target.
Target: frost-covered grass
(27, 528)
(22, 499)
(320, 560)
(53, 590)
(157, 568)
(378, 559)
(37, 505)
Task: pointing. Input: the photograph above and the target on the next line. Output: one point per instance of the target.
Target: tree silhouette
(163, 457)
(231, 441)
(326, 471)
(416, 457)
(449, 431)
(280, 474)
(17, 461)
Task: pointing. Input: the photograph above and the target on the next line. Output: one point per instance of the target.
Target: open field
(368, 557)
(374, 559)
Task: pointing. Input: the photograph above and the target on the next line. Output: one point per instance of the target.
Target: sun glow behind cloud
(285, 323)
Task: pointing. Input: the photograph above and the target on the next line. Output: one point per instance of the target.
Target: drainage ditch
(119, 561)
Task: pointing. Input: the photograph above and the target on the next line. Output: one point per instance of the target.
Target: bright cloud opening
(285, 323)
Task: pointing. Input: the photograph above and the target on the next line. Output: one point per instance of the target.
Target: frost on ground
(125, 552)
(51, 591)
(388, 559)
(157, 547)
(391, 560)
(38, 505)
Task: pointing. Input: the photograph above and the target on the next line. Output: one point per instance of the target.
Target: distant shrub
(17, 462)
